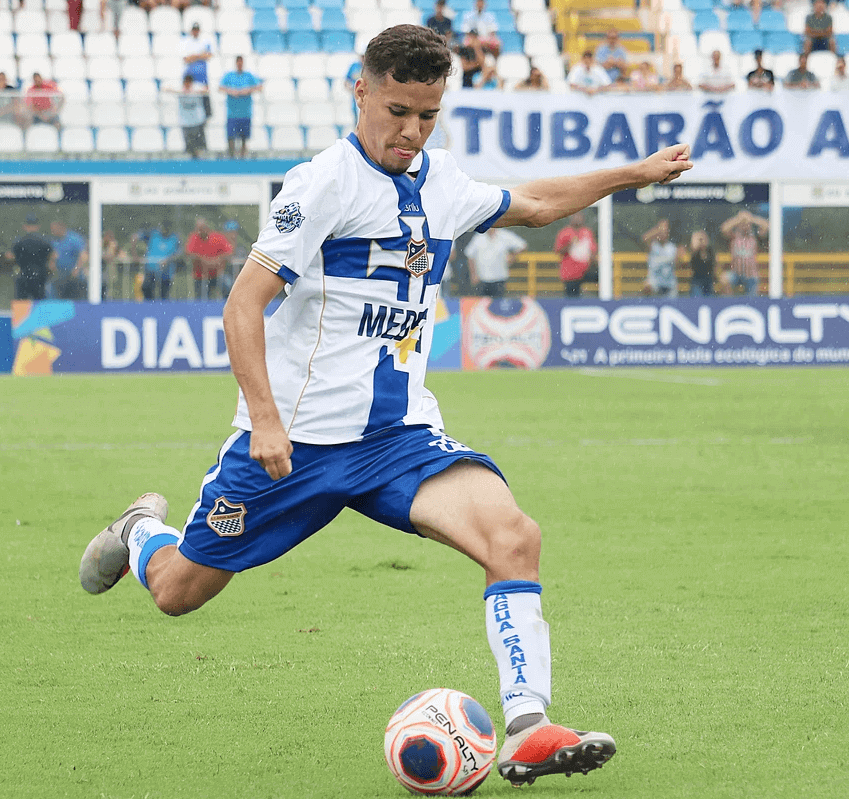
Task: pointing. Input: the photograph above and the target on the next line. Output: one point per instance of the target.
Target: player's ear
(360, 91)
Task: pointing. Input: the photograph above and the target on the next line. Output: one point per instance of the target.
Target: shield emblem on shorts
(227, 518)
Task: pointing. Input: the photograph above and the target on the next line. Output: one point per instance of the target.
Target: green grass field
(695, 564)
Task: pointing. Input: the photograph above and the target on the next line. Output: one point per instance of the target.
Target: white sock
(146, 537)
(518, 637)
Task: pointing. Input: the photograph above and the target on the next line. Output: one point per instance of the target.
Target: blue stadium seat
(298, 19)
(698, 5)
(261, 4)
(739, 19)
(303, 42)
(781, 42)
(265, 19)
(772, 20)
(335, 41)
(746, 41)
(706, 21)
(505, 19)
(333, 19)
(329, 4)
(268, 42)
(842, 40)
(497, 5)
(512, 42)
(290, 4)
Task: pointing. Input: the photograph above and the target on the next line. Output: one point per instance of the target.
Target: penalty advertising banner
(530, 334)
(746, 136)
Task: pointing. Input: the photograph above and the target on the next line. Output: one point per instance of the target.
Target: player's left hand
(665, 165)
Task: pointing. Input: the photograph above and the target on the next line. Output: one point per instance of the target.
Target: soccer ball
(440, 742)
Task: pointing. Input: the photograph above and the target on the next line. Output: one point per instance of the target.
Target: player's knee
(518, 543)
(174, 601)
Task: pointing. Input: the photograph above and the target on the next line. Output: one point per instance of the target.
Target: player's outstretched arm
(541, 202)
(244, 330)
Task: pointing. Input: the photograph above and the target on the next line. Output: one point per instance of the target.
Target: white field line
(652, 376)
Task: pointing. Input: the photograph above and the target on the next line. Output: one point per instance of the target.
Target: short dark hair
(408, 53)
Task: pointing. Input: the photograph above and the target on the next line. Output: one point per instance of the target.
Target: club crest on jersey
(417, 262)
(227, 518)
(288, 218)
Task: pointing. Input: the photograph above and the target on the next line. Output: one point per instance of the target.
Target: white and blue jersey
(363, 252)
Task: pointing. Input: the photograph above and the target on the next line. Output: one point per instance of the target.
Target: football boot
(107, 557)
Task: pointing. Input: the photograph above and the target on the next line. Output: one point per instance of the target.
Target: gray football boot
(107, 558)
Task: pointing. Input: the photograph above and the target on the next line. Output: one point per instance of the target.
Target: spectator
(801, 77)
(239, 86)
(44, 101)
(702, 265)
(662, 261)
(484, 23)
(760, 77)
(839, 81)
(75, 12)
(192, 115)
(577, 245)
(160, 261)
(10, 103)
(587, 76)
(117, 9)
(716, 80)
(240, 250)
(819, 30)
(209, 251)
(196, 51)
(678, 83)
(490, 255)
(441, 23)
(742, 230)
(613, 56)
(351, 78)
(643, 78)
(472, 58)
(113, 258)
(535, 82)
(32, 253)
(488, 78)
(69, 263)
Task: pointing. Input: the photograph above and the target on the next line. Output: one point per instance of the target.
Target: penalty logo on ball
(440, 742)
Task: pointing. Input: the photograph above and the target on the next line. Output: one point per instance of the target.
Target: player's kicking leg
(107, 558)
(471, 509)
(139, 540)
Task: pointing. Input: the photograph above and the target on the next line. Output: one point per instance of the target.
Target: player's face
(396, 119)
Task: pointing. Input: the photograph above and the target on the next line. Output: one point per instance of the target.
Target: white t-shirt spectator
(491, 250)
(593, 77)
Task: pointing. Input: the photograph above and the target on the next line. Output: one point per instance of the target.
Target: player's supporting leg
(139, 540)
(469, 508)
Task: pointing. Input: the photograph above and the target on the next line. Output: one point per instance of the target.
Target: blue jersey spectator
(239, 86)
(163, 247)
(70, 252)
(613, 56)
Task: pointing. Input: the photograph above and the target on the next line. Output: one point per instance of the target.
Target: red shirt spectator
(44, 100)
(577, 244)
(208, 246)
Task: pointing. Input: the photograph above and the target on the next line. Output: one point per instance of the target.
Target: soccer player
(332, 408)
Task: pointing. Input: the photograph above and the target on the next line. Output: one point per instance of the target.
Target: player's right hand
(272, 449)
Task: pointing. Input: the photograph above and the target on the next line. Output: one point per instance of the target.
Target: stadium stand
(118, 93)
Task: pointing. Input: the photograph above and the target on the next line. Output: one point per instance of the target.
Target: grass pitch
(695, 565)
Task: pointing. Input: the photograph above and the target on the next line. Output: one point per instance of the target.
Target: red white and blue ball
(440, 742)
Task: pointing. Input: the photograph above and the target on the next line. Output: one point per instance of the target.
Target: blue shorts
(244, 518)
(238, 128)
